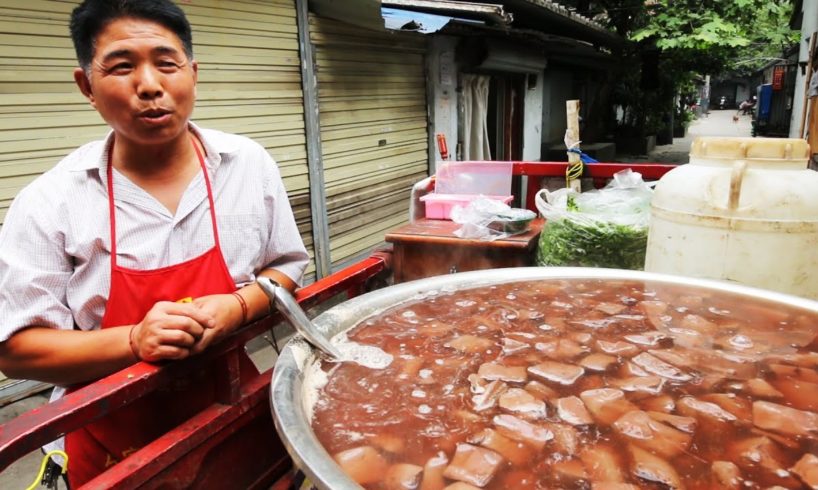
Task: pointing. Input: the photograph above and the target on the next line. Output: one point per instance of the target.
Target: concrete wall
(557, 88)
(442, 72)
(442, 78)
(809, 28)
(533, 118)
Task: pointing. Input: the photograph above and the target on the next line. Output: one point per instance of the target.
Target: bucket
(743, 210)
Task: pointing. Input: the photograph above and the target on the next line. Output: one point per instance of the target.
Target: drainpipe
(312, 128)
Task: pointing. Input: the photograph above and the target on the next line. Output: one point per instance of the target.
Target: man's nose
(149, 83)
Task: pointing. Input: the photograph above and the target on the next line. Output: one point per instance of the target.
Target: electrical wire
(47, 456)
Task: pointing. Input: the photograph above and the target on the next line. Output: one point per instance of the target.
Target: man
(96, 254)
(747, 105)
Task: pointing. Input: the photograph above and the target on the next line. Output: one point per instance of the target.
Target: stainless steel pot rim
(285, 392)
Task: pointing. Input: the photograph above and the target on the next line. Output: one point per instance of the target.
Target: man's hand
(226, 312)
(171, 330)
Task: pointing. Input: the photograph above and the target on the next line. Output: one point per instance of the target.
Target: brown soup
(579, 384)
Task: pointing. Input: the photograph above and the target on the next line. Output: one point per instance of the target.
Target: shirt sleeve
(34, 268)
(285, 251)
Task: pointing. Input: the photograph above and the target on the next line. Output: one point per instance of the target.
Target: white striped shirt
(55, 268)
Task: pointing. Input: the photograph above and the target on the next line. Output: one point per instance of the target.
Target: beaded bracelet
(243, 307)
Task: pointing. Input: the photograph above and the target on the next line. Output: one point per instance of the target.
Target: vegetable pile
(600, 244)
(600, 228)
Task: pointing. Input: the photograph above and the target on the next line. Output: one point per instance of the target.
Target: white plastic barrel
(743, 210)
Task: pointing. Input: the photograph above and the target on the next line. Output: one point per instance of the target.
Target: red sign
(778, 77)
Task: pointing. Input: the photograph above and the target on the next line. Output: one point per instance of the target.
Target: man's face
(140, 81)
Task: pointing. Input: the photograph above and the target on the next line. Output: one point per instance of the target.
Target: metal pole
(312, 128)
(806, 84)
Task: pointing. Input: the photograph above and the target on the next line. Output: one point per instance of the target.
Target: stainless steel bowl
(286, 392)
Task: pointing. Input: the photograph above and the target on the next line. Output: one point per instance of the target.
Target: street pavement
(717, 123)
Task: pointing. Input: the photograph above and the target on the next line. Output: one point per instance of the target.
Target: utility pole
(706, 96)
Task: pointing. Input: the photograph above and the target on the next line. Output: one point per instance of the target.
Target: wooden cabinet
(430, 248)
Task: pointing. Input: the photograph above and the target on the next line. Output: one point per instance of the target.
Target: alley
(717, 123)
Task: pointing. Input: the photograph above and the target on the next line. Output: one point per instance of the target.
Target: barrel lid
(748, 148)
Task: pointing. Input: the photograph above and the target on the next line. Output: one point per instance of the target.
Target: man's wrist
(242, 305)
(132, 343)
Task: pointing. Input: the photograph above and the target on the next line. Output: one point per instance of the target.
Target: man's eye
(120, 68)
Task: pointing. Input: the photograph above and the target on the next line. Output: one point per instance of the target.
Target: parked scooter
(723, 102)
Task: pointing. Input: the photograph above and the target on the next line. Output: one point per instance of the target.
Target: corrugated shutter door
(372, 100)
(249, 83)
(43, 116)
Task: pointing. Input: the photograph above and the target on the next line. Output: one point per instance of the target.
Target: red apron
(133, 292)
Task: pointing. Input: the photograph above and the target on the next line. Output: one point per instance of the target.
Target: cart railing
(599, 172)
(231, 441)
(537, 171)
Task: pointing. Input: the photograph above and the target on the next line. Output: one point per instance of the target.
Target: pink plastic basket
(439, 206)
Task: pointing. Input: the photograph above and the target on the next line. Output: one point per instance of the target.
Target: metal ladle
(286, 304)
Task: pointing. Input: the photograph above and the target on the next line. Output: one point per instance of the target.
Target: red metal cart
(232, 443)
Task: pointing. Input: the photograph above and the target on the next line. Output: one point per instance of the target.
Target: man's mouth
(154, 113)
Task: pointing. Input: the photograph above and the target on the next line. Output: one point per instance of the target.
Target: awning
(409, 20)
(425, 16)
(488, 12)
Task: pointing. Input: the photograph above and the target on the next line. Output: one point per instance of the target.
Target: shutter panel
(372, 101)
(249, 84)
(43, 114)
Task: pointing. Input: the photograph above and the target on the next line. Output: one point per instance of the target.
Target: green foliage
(712, 37)
(720, 32)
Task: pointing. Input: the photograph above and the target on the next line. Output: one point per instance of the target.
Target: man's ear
(194, 65)
(81, 79)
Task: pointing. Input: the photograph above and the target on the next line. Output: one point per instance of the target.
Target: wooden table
(429, 248)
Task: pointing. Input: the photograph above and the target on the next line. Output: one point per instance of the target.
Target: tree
(692, 37)
(725, 34)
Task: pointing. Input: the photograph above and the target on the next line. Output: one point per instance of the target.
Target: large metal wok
(287, 390)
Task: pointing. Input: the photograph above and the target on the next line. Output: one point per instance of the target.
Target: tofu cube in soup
(514, 451)
(638, 428)
(807, 470)
(606, 404)
(433, 472)
(363, 464)
(510, 374)
(653, 469)
(603, 463)
(785, 420)
(518, 429)
(520, 402)
(557, 372)
(403, 476)
(473, 465)
(571, 410)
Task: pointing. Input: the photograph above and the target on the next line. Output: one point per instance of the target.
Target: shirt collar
(95, 155)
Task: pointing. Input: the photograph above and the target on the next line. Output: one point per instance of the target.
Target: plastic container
(743, 210)
(471, 177)
(439, 206)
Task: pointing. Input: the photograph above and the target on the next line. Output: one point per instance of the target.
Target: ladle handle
(289, 307)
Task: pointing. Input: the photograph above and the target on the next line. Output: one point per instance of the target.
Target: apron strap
(209, 194)
(112, 208)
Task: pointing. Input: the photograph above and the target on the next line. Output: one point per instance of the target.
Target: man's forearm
(258, 304)
(65, 357)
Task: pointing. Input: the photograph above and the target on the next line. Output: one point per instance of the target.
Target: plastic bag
(489, 219)
(599, 228)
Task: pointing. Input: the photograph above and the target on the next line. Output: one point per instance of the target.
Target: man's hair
(91, 17)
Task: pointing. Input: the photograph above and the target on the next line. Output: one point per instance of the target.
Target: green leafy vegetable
(566, 242)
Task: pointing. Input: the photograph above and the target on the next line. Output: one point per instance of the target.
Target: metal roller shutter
(372, 100)
(249, 83)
